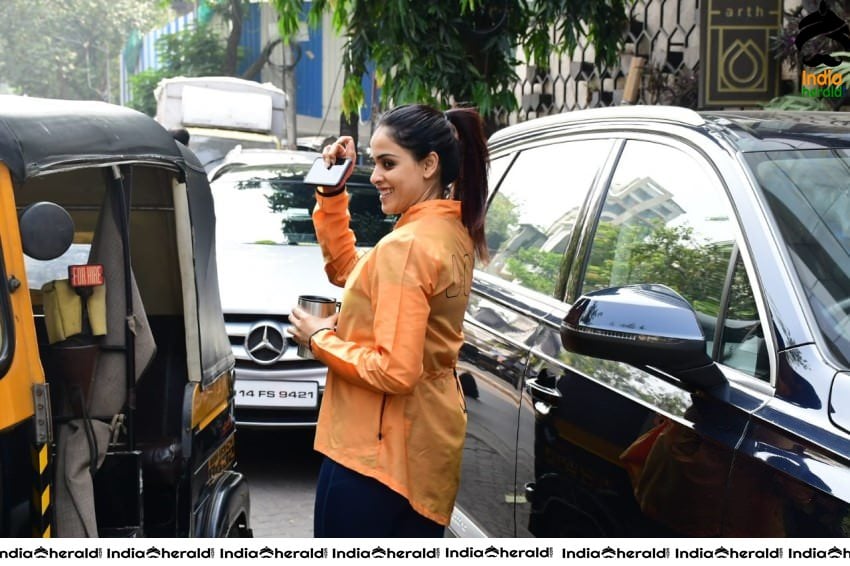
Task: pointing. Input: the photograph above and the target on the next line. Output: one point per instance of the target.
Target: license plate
(299, 394)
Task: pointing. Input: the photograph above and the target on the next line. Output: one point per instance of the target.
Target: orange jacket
(393, 408)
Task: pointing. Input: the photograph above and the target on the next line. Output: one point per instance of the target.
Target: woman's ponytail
(471, 186)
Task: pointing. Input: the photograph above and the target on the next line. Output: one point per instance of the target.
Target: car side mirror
(647, 325)
(47, 230)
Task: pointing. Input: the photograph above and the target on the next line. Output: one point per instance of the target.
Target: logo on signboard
(737, 68)
(820, 24)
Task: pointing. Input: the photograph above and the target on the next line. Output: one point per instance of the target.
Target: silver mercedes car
(268, 256)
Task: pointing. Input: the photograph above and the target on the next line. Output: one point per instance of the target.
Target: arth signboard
(738, 68)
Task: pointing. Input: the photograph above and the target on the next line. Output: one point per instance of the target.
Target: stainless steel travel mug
(317, 306)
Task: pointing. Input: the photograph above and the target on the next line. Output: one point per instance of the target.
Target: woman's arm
(331, 221)
(331, 218)
(400, 289)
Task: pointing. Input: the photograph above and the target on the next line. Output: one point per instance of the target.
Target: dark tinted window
(742, 344)
(531, 217)
(808, 193)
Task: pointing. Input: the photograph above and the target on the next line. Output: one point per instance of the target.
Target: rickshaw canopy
(38, 135)
(41, 136)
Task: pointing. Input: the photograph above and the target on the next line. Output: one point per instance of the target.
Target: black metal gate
(663, 32)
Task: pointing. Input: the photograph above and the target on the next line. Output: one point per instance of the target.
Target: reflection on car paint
(747, 439)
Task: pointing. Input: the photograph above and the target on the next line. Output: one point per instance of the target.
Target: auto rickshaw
(116, 373)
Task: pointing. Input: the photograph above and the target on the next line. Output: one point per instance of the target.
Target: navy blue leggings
(352, 505)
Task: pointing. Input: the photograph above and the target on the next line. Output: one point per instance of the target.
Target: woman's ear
(430, 164)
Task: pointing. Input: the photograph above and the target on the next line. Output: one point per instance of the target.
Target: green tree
(457, 51)
(193, 52)
(233, 14)
(69, 49)
(200, 50)
(654, 253)
(535, 269)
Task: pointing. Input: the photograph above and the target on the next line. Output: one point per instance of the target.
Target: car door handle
(547, 396)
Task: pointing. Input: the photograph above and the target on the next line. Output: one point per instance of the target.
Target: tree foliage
(625, 254)
(233, 12)
(457, 51)
(655, 253)
(193, 52)
(69, 49)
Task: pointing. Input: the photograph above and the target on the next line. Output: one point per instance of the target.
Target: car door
(529, 223)
(626, 450)
(791, 474)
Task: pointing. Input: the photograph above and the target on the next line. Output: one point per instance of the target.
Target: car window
(742, 344)
(665, 220)
(497, 170)
(531, 217)
(211, 150)
(272, 206)
(808, 193)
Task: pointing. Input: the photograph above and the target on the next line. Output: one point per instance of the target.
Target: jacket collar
(438, 207)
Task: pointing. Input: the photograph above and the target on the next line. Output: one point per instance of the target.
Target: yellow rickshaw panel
(16, 402)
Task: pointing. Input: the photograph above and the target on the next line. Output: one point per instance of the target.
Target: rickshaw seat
(63, 309)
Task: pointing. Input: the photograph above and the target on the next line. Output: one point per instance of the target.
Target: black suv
(660, 344)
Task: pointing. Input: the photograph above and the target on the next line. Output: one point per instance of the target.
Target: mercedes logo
(265, 342)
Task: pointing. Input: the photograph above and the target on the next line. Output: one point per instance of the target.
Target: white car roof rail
(644, 111)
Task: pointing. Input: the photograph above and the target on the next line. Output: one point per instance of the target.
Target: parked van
(222, 112)
(116, 375)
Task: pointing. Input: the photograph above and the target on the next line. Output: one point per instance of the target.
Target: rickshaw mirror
(47, 230)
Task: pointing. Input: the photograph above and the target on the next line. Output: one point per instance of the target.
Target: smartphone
(324, 176)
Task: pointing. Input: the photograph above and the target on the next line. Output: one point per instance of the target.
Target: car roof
(230, 134)
(765, 130)
(563, 120)
(39, 135)
(748, 130)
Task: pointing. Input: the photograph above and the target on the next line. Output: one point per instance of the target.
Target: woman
(393, 418)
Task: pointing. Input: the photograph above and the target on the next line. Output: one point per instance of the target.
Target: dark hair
(457, 137)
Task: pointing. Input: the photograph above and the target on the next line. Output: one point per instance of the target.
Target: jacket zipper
(460, 390)
(384, 404)
(381, 417)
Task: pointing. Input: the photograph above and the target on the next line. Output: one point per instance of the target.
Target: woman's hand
(342, 148)
(304, 325)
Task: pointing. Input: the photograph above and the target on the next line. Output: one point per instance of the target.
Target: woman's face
(401, 180)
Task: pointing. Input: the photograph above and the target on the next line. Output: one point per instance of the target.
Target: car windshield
(808, 192)
(211, 150)
(273, 206)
